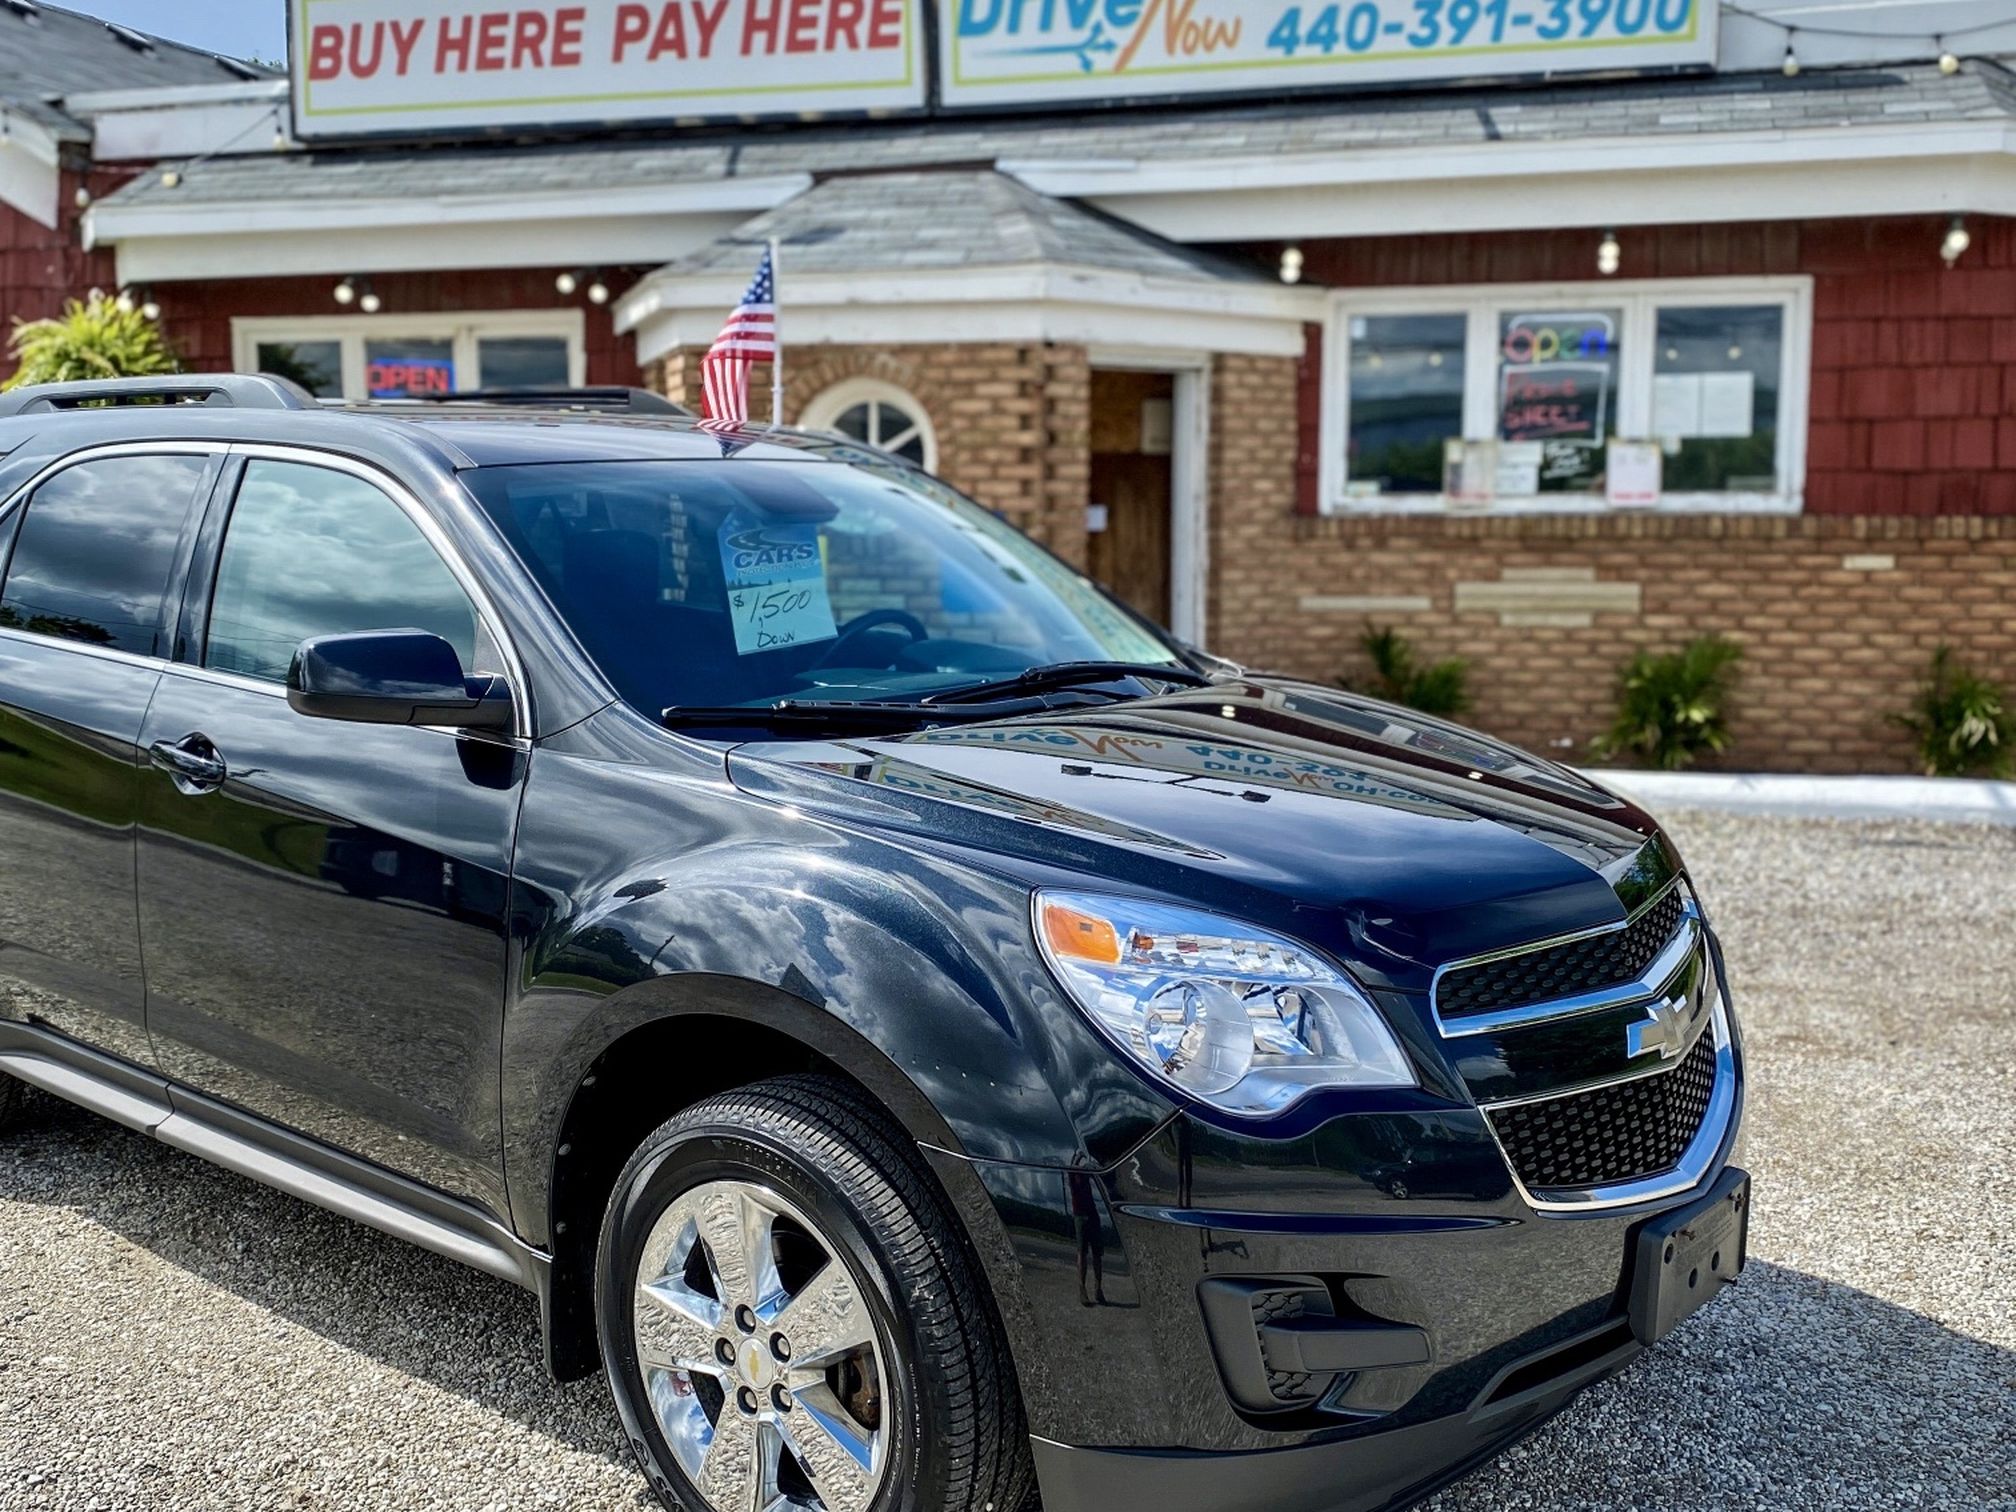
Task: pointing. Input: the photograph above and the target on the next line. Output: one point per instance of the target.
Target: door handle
(191, 762)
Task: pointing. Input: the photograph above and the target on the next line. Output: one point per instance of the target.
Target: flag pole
(777, 336)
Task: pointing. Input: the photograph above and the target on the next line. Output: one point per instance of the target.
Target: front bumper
(1409, 1217)
(1377, 1470)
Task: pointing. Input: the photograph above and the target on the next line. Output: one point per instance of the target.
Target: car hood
(1397, 841)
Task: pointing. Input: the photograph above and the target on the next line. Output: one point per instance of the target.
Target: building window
(1406, 399)
(406, 356)
(1565, 398)
(879, 414)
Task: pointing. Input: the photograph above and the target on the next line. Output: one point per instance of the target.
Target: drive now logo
(1119, 28)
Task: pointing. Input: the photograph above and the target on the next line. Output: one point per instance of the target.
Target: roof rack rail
(599, 397)
(224, 390)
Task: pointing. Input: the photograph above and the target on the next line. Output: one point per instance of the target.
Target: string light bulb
(1790, 67)
(1958, 240)
(345, 292)
(567, 283)
(1291, 264)
(150, 308)
(124, 303)
(369, 302)
(598, 292)
(82, 197)
(171, 179)
(1609, 254)
(1949, 60)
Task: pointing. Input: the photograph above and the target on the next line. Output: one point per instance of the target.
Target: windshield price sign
(998, 52)
(365, 67)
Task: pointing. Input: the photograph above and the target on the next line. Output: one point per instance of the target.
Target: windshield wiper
(838, 713)
(1071, 674)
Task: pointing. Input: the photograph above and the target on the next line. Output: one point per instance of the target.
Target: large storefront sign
(383, 67)
(998, 52)
(372, 67)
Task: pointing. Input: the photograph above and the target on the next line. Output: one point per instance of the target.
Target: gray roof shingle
(47, 53)
(921, 219)
(1629, 107)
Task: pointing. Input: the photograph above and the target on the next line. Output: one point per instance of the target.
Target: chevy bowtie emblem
(1664, 1028)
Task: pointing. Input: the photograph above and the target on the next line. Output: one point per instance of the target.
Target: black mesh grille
(1558, 971)
(1288, 1386)
(1614, 1134)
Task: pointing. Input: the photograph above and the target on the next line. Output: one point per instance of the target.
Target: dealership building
(1541, 335)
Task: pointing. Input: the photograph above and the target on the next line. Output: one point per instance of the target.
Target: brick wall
(197, 316)
(1913, 405)
(1013, 422)
(1838, 616)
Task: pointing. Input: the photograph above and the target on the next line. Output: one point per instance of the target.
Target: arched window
(878, 413)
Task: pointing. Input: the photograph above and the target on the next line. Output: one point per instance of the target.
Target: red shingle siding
(41, 266)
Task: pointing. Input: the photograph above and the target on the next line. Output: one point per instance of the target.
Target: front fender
(642, 891)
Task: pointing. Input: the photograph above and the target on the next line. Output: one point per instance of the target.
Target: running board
(269, 1154)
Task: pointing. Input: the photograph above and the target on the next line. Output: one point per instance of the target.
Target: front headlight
(1243, 1019)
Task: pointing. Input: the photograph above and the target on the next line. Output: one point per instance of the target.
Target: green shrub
(1441, 688)
(1669, 707)
(92, 338)
(1962, 722)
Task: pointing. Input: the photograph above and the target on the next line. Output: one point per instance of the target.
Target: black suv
(927, 1035)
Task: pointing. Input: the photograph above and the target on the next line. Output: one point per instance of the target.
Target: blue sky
(242, 28)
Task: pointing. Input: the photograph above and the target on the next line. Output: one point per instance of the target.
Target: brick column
(1252, 470)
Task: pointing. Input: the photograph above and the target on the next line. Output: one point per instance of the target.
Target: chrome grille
(1623, 1132)
(1566, 970)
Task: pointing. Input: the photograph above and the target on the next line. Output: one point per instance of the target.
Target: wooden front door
(1131, 493)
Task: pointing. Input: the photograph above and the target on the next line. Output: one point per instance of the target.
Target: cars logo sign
(371, 67)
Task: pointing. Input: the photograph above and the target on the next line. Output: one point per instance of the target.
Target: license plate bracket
(1683, 1258)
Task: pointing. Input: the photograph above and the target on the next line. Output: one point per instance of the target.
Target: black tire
(13, 1098)
(958, 1440)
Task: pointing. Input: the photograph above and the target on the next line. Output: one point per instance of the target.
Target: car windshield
(699, 583)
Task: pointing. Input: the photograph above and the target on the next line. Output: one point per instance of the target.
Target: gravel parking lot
(172, 1336)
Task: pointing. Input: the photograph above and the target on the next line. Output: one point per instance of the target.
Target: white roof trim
(114, 222)
(503, 241)
(1509, 159)
(1027, 302)
(1646, 180)
(92, 102)
(31, 177)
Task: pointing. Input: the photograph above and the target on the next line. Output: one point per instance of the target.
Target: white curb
(1932, 798)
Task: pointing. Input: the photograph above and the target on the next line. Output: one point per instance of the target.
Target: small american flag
(749, 337)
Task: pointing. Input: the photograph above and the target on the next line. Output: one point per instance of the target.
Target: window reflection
(1406, 400)
(316, 365)
(96, 550)
(1715, 397)
(313, 552)
(522, 361)
(890, 585)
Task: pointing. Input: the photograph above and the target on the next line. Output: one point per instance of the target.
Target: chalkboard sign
(1556, 401)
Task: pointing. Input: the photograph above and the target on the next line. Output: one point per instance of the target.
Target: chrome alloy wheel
(760, 1356)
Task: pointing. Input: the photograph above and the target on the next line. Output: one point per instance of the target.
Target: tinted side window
(314, 552)
(96, 550)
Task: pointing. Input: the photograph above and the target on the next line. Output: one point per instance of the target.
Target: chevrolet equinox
(931, 1038)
